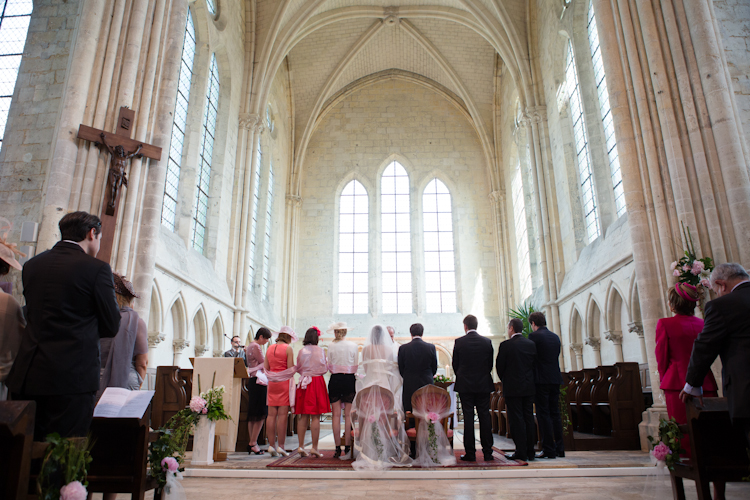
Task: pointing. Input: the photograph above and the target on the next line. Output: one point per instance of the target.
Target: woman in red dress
(674, 343)
(279, 357)
(311, 400)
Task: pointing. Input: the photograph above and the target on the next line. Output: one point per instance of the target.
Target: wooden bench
(173, 390)
(717, 449)
(16, 437)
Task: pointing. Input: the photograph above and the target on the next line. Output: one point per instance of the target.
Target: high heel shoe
(302, 452)
(251, 451)
(281, 451)
(315, 453)
(272, 451)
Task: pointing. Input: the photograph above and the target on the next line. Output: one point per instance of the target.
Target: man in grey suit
(726, 333)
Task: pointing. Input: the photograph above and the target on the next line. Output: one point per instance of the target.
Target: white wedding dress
(380, 439)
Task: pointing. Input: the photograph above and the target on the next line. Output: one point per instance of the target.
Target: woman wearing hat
(125, 356)
(674, 343)
(280, 370)
(12, 322)
(342, 363)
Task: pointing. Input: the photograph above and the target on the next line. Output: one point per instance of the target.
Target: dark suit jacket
(472, 363)
(726, 333)
(547, 365)
(417, 363)
(515, 366)
(71, 304)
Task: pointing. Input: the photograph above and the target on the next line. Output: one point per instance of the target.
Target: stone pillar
(615, 336)
(291, 239)
(636, 327)
(497, 200)
(577, 360)
(596, 347)
(179, 345)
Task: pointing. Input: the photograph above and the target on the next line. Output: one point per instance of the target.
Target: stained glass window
(439, 259)
(396, 240)
(353, 249)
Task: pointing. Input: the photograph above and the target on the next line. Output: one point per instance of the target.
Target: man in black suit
(515, 367)
(417, 364)
(547, 378)
(472, 363)
(726, 333)
(71, 304)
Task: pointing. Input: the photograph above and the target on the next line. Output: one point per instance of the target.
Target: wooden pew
(717, 449)
(16, 437)
(600, 405)
(174, 386)
(626, 405)
(574, 384)
(583, 401)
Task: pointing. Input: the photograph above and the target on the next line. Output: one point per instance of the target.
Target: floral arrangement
(372, 419)
(209, 403)
(564, 410)
(64, 469)
(690, 269)
(441, 379)
(668, 447)
(432, 447)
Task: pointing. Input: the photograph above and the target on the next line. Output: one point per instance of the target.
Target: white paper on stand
(117, 402)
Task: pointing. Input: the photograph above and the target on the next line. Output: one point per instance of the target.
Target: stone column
(154, 339)
(596, 347)
(497, 199)
(577, 360)
(615, 336)
(636, 327)
(179, 345)
(291, 239)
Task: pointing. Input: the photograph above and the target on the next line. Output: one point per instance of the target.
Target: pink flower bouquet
(433, 417)
(170, 463)
(197, 404)
(661, 451)
(73, 491)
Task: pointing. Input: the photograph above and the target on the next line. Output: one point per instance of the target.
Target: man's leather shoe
(512, 456)
(560, 454)
(468, 458)
(542, 454)
(488, 457)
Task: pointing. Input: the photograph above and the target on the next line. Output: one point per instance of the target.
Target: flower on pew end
(661, 451)
(198, 404)
(170, 463)
(74, 490)
(433, 417)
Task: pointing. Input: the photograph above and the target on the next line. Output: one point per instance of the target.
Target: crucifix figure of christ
(122, 148)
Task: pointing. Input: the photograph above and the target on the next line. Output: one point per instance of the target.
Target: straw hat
(336, 326)
(8, 251)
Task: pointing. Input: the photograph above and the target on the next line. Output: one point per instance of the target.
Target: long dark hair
(311, 336)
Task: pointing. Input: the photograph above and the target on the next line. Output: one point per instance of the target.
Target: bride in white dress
(380, 439)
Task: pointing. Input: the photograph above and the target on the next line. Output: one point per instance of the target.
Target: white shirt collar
(740, 283)
(519, 333)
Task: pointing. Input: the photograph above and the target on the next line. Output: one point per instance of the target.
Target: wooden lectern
(229, 373)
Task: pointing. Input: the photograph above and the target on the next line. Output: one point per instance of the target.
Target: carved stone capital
(496, 197)
(156, 339)
(252, 121)
(577, 348)
(218, 353)
(200, 350)
(614, 336)
(593, 342)
(180, 345)
(535, 114)
(636, 327)
(294, 199)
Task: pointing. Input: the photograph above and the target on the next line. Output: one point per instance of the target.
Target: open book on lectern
(117, 402)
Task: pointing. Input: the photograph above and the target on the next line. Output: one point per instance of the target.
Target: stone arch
(155, 314)
(445, 355)
(576, 339)
(200, 326)
(594, 321)
(178, 313)
(217, 335)
(615, 304)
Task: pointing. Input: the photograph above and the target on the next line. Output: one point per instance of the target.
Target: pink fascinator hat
(288, 330)
(8, 251)
(687, 291)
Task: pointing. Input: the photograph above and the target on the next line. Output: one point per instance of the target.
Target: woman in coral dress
(279, 367)
(674, 343)
(311, 400)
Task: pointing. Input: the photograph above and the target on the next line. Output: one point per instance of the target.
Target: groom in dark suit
(417, 364)
(515, 367)
(70, 299)
(472, 363)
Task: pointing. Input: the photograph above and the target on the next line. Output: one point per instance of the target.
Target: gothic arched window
(254, 217)
(203, 182)
(522, 237)
(267, 242)
(606, 112)
(353, 249)
(174, 162)
(396, 240)
(439, 259)
(581, 143)
(14, 26)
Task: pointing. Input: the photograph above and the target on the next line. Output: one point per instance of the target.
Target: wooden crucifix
(121, 148)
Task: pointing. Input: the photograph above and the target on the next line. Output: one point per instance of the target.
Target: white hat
(8, 251)
(336, 326)
(288, 330)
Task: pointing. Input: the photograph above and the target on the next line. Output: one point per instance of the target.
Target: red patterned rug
(295, 461)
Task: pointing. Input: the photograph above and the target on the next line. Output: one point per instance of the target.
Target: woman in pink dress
(279, 366)
(311, 400)
(674, 343)
(257, 410)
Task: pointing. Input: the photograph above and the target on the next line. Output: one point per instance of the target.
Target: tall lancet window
(174, 162)
(606, 111)
(203, 182)
(396, 240)
(14, 25)
(254, 217)
(439, 260)
(353, 249)
(267, 242)
(586, 178)
(522, 237)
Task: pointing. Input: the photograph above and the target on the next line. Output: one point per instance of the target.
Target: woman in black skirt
(342, 363)
(256, 408)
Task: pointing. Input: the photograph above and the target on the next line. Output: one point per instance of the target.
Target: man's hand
(685, 397)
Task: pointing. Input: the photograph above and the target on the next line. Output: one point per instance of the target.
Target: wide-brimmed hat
(8, 251)
(288, 330)
(336, 326)
(123, 286)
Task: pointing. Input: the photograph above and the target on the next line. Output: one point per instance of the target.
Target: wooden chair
(444, 399)
(494, 412)
(369, 397)
(583, 401)
(717, 449)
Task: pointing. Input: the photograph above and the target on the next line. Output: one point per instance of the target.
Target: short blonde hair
(340, 334)
(123, 300)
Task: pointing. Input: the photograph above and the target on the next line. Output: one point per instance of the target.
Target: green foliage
(432, 443)
(689, 259)
(564, 410)
(523, 312)
(441, 379)
(66, 460)
(172, 441)
(215, 403)
(671, 435)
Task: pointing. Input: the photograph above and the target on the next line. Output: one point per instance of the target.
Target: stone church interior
(389, 162)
